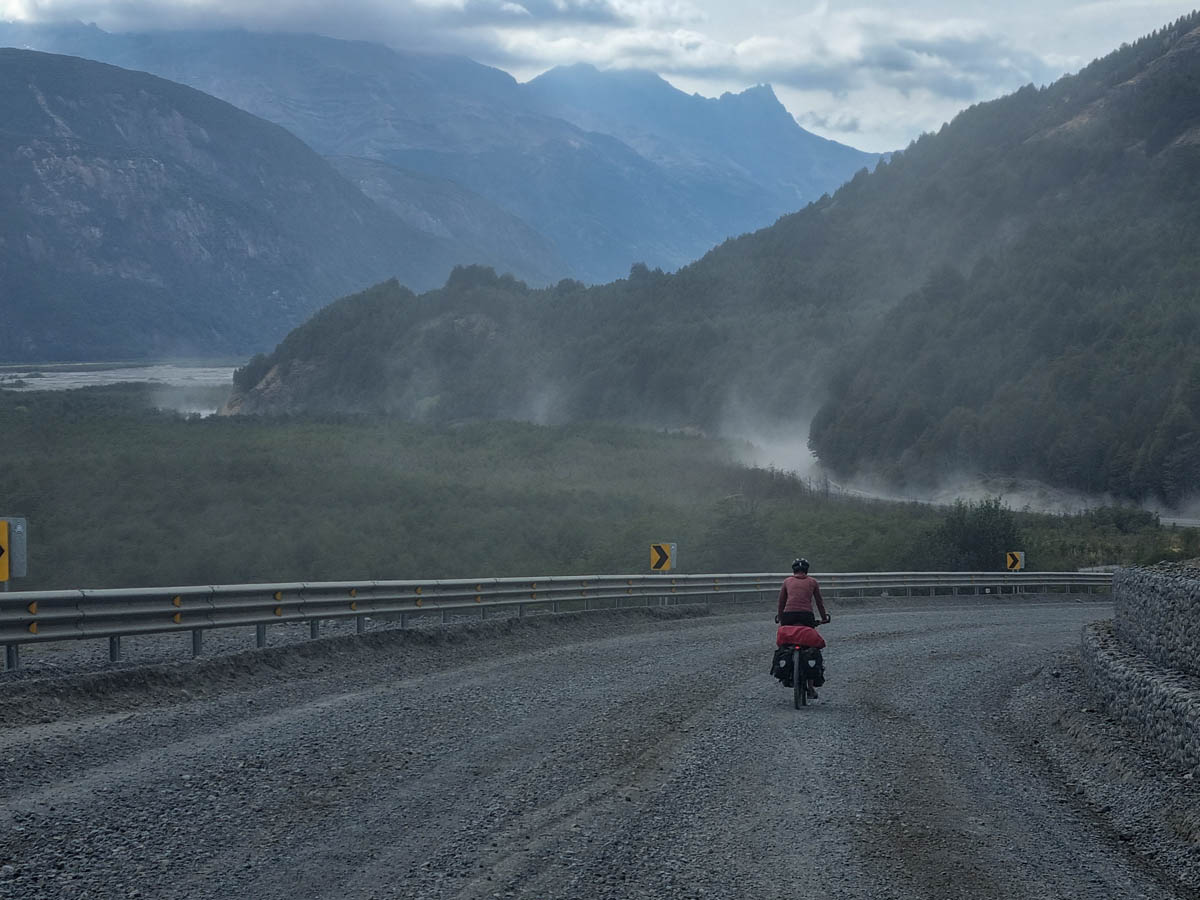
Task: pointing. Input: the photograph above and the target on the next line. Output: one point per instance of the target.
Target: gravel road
(633, 755)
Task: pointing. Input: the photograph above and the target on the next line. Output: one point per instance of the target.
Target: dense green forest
(1013, 295)
(118, 493)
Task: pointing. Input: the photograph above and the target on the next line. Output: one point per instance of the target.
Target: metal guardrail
(33, 616)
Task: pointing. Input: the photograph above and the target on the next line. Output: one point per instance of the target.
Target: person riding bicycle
(796, 598)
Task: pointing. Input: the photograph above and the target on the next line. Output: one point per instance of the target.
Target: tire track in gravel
(772, 802)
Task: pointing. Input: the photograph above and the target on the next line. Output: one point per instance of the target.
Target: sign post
(12, 549)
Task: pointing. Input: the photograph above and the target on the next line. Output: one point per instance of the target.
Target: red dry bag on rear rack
(798, 636)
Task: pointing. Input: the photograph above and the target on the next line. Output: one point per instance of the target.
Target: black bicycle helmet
(800, 565)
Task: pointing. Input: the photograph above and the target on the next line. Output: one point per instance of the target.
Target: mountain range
(1018, 294)
(609, 168)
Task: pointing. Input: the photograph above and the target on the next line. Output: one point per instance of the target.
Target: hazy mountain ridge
(600, 203)
(1017, 293)
(143, 218)
(482, 232)
(747, 139)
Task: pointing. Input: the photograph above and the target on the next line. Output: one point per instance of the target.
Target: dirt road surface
(609, 758)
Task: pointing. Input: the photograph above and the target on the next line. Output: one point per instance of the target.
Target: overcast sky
(871, 74)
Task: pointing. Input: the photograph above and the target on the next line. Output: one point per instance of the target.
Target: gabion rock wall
(1144, 666)
(1158, 613)
(1160, 705)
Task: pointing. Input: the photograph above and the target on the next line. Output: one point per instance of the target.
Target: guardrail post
(445, 616)
(403, 620)
(12, 657)
(520, 610)
(314, 629)
(114, 648)
(260, 636)
(360, 624)
(197, 642)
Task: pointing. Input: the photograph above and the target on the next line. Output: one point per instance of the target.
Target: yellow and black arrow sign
(661, 557)
(1016, 560)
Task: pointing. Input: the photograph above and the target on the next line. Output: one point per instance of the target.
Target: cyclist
(796, 598)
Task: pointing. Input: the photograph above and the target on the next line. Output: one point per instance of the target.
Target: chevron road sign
(12, 548)
(662, 557)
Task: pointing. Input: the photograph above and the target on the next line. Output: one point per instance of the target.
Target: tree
(737, 540)
(975, 537)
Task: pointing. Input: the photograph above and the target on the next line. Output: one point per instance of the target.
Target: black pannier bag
(781, 666)
(818, 671)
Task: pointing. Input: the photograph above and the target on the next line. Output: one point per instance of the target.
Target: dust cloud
(787, 449)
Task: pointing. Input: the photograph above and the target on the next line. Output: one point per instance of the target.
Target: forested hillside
(1015, 294)
(1070, 352)
(119, 493)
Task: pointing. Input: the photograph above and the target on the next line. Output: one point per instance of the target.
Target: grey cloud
(953, 68)
(990, 57)
(890, 58)
(841, 124)
(961, 69)
(812, 76)
(533, 12)
(368, 19)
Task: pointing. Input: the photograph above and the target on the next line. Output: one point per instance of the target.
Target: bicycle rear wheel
(799, 681)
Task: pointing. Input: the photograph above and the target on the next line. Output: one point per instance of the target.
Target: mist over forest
(120, 491)
(1015, 295)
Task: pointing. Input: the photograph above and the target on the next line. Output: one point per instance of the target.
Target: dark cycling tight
(800, 617)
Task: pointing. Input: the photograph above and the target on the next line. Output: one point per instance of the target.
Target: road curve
(657, 761)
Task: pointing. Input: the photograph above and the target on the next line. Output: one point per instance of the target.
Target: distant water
(65, 378)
